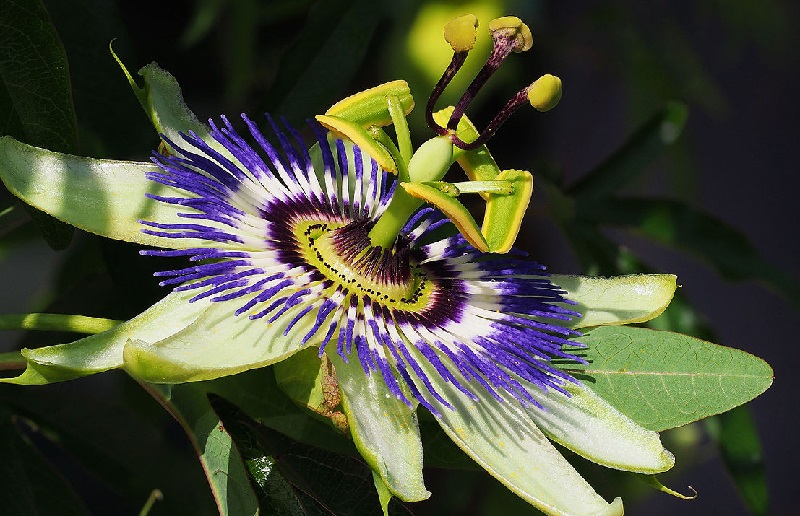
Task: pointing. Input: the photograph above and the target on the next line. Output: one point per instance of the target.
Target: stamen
(460, 33)
(509, 34)
(543, 94)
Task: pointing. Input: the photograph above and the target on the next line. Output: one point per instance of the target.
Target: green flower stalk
(292, 246)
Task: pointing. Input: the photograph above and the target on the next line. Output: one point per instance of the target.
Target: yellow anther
(545, 92)
(513, 28)
(460, 32)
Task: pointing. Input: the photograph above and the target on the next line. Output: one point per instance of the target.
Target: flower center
(344, 254)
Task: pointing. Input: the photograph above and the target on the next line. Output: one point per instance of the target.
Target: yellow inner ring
(319, 252)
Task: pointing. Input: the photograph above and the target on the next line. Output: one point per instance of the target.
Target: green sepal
(300, 378)
(453, 209)
(384, 494)
(104, 197)
(384, 429)
(664, 380)
(503, 216)
(361, 137)
(103, 351)
(370, 107)
(618, 300)
(162, 101)
(219, 343)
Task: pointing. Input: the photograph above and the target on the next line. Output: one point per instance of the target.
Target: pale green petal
(589, 426)
(618, 300)
(218, 344)
(506, 442)
(103, 351)
(104, 197)
(384, 429)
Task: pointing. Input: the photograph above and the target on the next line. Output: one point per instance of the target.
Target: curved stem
(56, 322)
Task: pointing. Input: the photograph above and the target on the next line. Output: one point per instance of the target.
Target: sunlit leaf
(312, 480)
(664, 380)
(221, 460)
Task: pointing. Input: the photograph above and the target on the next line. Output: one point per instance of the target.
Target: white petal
(219, 343)
(506, 442)
(618, 300)
(103, 351)
(586, 424)
(384, 429)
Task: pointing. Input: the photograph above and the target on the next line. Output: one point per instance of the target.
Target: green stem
(12, 360)
(402, 206)
(155, 496)
(56, 322)
(400, 122)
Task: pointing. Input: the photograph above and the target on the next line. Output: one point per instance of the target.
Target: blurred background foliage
(624, 180)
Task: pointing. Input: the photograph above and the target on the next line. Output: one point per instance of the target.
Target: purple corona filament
(285, 235)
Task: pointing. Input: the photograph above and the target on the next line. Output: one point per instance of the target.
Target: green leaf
(618, 300)
(664, 380)
(737, 436)
(34, 70)
(321, 62)
(318, 481)
(222, 463)
(384, 429)
(30, 486)
(109, 121)
(35, 77)
(258, 395)
(660, 131)
(121, 438)
(677, 224)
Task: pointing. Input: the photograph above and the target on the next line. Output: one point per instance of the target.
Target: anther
(543, 94)
(509, 34)
(460, 33)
